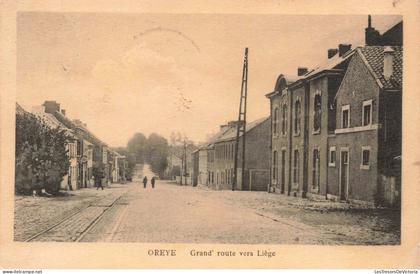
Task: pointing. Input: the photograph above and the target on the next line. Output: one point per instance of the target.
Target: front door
(344, 174)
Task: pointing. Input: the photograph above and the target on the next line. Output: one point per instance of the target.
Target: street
(173, 213)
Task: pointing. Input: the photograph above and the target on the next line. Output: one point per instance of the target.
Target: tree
(157, 153)
(41, 156)
(137, 147)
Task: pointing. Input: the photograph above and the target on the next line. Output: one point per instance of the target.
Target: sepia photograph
(208, 128)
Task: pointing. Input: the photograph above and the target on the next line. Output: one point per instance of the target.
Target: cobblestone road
(173, 213)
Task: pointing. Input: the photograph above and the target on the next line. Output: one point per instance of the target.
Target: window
(297, 117)
(365, 157)
(317, 112)
(275, 121)
(79, 148)
(367, 113)
(284, 120)
(274, 165)
(345, 116)
(315, 169)
(332, 158)
(233, 150)
(296, 166)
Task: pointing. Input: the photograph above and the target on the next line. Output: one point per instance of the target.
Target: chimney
(51, 106)
(332, 53)
(77, 122)
(63, 111)
(372, 36)
(343, 48)
(388, 62)
(302, 71)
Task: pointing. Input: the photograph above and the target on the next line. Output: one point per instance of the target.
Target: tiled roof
(231, 132)
(374, 55)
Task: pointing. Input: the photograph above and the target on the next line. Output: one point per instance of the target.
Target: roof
(230, 134)
(49, 119)
(373, 57)
(328, 64)
(213, 139)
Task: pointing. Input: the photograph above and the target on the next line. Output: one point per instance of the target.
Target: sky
(125, 73)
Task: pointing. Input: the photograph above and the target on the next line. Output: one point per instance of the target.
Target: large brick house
(316, 117)
(302, 118)
(364, 151)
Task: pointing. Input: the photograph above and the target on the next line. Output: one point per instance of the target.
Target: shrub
(41, 156)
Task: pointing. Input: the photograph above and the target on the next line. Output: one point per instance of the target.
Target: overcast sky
(127, 73)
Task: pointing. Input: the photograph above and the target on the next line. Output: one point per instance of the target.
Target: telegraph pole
(241, 126)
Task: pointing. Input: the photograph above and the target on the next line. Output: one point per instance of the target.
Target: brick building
(200, 170)
(256, 174)
(312, 121)
(364, 151)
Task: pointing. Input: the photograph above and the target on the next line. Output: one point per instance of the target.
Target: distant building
(200, 166)
(257, 152)
(91, 152)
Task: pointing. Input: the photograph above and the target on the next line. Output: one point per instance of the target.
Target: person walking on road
(145, 181)
(99, 183)
(153, 182)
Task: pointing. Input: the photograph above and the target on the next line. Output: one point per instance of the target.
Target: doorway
(344, 174)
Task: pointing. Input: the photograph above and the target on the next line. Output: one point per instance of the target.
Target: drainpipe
(270, 161)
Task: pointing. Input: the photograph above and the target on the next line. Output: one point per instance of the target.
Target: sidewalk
(352, 223)
(35, 214)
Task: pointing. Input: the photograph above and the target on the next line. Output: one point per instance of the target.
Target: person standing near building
(145, 181)
(153, 182)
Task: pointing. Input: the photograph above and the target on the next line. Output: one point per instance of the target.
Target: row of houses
(333, 132)
(89, 156)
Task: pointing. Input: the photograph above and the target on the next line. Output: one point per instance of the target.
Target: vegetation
(41, 156)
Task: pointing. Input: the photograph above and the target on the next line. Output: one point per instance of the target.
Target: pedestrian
(153, 182)
(145, 181)
(99, 183)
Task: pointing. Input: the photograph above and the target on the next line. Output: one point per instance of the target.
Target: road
(171, 213)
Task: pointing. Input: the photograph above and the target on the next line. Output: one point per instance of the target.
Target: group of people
(152, 181)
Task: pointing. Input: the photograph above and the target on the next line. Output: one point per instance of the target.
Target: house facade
(86, 154)
(257, 153)
(364, 150)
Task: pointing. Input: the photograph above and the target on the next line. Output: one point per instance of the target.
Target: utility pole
(185, 161)
(241, 126)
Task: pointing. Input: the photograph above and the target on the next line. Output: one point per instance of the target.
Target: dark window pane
(365, 160)
(366, 115)
(345, 118)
